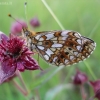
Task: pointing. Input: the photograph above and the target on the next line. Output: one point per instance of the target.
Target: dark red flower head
(96, 88)
(80, 78)
(14, 55)
(34, 22)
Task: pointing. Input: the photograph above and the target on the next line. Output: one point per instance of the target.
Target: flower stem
(91, 98)
(22, 81)
(37, 94)
(94, 29)
(83, 93)
(53, 15)
(90, 70)
(25, 93)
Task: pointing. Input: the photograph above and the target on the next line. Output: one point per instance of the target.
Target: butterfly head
(25, 31)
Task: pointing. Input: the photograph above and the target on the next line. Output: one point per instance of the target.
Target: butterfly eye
(26, 33)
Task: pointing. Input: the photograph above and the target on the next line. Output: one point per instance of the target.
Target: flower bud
(96, 88)
(80, 78)
(34, 22)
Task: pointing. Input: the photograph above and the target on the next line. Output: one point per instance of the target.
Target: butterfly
(60, 48)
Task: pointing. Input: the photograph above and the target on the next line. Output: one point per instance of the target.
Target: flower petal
(26, 51)
(20, 66)
(30, 64)
(7, 70)
(3, 36)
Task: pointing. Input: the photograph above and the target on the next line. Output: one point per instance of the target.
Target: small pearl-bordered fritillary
(60, 47)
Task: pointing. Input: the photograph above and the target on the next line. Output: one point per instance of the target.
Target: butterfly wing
(63, 47)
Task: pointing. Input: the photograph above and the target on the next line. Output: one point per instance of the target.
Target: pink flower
(14, 55)
(96, 87)
(80, 78)
(16, 27)
(34, 22)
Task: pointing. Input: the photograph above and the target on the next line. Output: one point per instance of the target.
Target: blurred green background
(54, 83)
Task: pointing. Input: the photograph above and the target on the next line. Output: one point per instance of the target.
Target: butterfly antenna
(25, 6)
(15, 19)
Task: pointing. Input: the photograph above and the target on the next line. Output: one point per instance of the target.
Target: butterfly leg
(35, 52)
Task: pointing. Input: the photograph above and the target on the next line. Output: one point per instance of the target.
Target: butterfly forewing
(62, 47)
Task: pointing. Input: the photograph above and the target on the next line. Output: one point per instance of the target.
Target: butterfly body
(60, 47)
